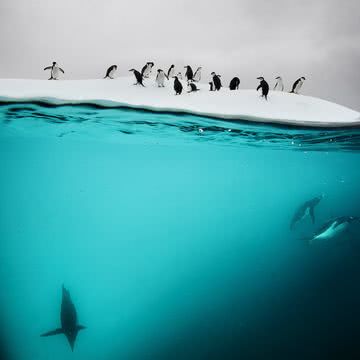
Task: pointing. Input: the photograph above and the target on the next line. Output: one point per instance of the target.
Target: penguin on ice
(197, 75)
(234, 84)
(279, 85)
(211, 86)
(146, 70)
(332, 229)
(192, 88)
(189, 73)
(264, 86)
(171, 71)
(160, 78)
(110, 72)
(55, 71)
(177, 86)
(216, 81)
(68, 316)
(297, 85)
(306, 209)
(138, 77)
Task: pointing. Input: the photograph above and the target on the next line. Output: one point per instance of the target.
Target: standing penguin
(216, 81)
(197, 75)
(264, 86)
(234, 83)
(177, 86)
(146, 70)
(189, 73)
(192, 88)
(171, 71)
(279, 85)
(297, 85)
(110, 72)
(138, 77)
(55, 71)
(160, 78)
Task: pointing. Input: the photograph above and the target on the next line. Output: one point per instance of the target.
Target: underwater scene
(129, 234)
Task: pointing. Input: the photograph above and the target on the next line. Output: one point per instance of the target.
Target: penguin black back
(216, 81)
(264, 86)
(234, 83)
(189, 73)
(177, 86)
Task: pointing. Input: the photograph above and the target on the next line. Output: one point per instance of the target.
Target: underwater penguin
(332, 229)
(216, 81)
(55, 71)
(297, 85)
(146, 70)
(110, 72)
(192, 88)
(171, 71)
(264, 86)
(197, 75)
(160, 78)
(234, 84)
(69, 325)
(306, 209)
(177, 86)
(138, 77)
(189, 73)
(279, 85)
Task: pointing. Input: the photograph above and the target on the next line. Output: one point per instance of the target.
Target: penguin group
(332, 229)
(190, 76)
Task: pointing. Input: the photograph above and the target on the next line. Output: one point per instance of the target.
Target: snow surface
(282, 107)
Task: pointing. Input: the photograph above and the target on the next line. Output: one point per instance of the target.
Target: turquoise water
(171, 233)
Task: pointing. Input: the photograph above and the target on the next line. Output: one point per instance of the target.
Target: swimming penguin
(234, 83)
(138, 77)
(211, 86)
(177, 86)
(171, 71)
(189, 73)
(197, 75)
(160, 78)
(306, 209)
(264, 86)
(146, 70)
(332, 229)
(216, 81)
(55, 71)
(192, 88)
(110, 72)
(279, 85)
(297, 85)
(69, 325)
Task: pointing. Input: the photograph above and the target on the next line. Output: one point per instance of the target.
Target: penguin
(234, 83)
(264, 86)
(160, 78)
(189, 73)
(69, 324)
(146, 70)
(332, 229)
(110, 72)
(192, 88)
(279, 85)
(306, 209)
(216, 81)
(138, 77)
(177, 86)
(211, 86)
(55, 71)
(297, 85)
(171, 71)
(197, 75)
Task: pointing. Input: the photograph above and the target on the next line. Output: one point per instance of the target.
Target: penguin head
(303, 78)
(54, 63)
(260, 78)
(159, 70)
(213, 73)
(132, 70)
(115, 67)
(278, 77)
(172, 66)
(175, 77)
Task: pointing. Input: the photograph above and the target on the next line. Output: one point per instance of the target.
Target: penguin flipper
(48, 68)
(62, 70)
(53, 332)
(80, 327)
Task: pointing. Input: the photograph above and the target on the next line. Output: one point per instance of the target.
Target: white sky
(318, 39)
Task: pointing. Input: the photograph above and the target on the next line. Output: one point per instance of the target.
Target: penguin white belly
(171, 73)
(112, 73)
(55, 72)
(197, 76)
(298, 87)
(331, 232)
(160, 79)
(279, 86)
